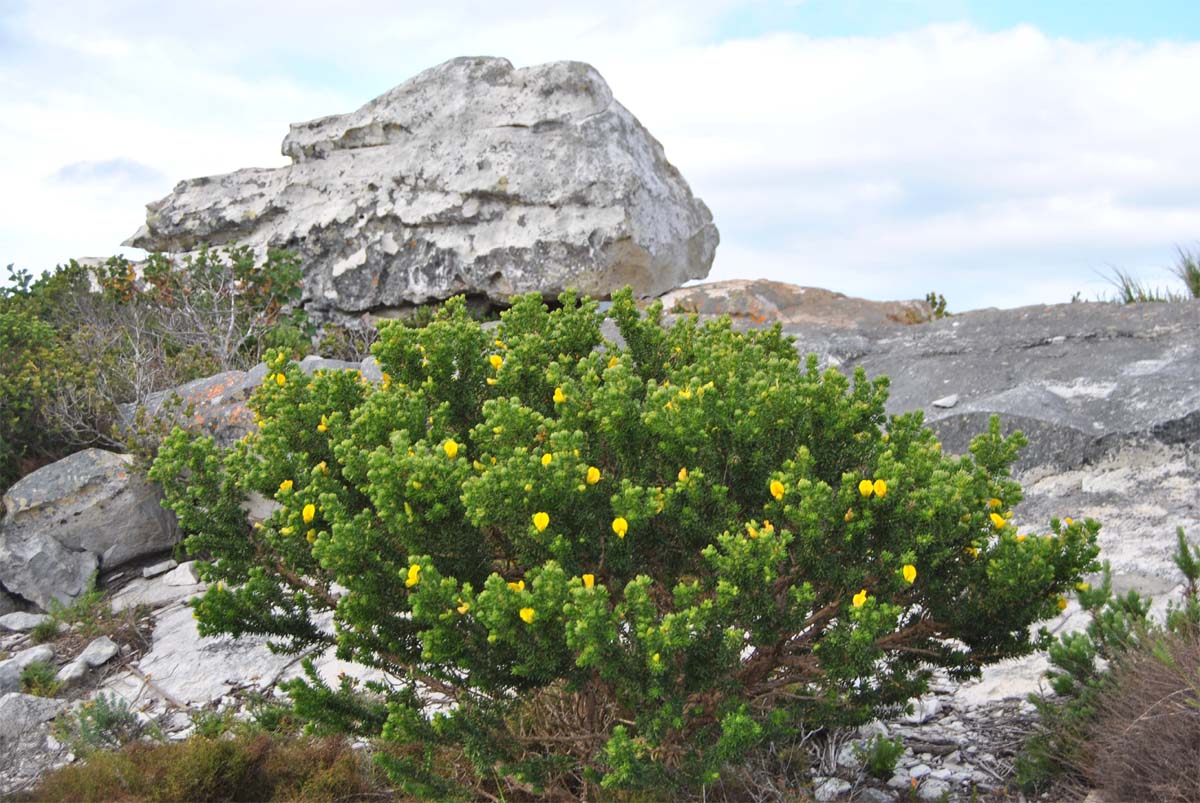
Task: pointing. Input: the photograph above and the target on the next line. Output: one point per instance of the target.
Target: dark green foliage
(623, 568)
(880, 755)
(40, 678)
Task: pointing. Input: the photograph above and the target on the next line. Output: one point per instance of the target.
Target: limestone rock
(25, 740)
(182, 575)
(99, 652)
(90, 510)
(10, 670)
(472, 177)
(21, 622)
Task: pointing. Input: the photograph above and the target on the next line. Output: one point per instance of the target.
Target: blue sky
(1001, 153)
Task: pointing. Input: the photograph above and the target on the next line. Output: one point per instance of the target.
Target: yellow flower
(541, 520)
(620, 526)
(683, 474)
(280, 380)
(753, 532)
(464, 607)
(589, 580)
(517, 586)
(309, 511)
(500, 344)
(311, 535)
(324, 425)
(414, 575)
(387, 380)
(655, 658)
(866, 487)
(1020, 538)
(322, 467)
(768, 527)
(546, 458)
(408, 510)
(860, 598)
(972, 551)
(475, 464)
(1069, 521)
(593, 475)
(491, 380)
(527, 615)
(880, 488)
(612, 361)
(285, 486)
(528, 487)
(496, 360)
(559, 396)
(1083, 586)
(287, 530)
(910, 572)
(849, 517)
(220, 585)
(777, 489)
(1062, 603)
(994, 503)
(451, 447)
(998, 521)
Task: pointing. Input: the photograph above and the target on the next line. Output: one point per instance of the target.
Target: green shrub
(103, 723)
(45, 630)
(40, 678)
(82, 341)
(879, 755)
(1101, 675)
(614, 567)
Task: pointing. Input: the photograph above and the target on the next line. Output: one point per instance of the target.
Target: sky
(1000, 153)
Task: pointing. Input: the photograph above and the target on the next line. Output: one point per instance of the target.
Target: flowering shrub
(586, 564)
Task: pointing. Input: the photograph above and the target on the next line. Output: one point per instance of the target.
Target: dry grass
(1146, 738)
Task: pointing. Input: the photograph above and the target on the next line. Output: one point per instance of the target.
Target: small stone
(900, 780)
(159, 568)
(923, 709)
(933, 790)
(869, 794)
(829, 789)
(182, 575)
(99, 652)
(946, 402)
(72, 673)
(941, 774)
(919, 771)
(21, 622)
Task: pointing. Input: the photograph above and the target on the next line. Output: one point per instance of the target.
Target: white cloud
(998, 168)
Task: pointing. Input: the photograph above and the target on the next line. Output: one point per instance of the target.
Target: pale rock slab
(472, 177)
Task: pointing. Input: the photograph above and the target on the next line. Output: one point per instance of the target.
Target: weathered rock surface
(25, 740)
(88, 511)
(472, 177)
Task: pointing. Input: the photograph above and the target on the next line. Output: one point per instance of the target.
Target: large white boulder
(473, 177)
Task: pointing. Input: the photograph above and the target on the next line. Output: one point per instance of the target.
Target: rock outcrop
(473, 177)
(90, 511)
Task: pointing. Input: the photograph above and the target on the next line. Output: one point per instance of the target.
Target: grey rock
(919, 771)
(923, 709)
(10, 670)
(199, 670)
(829, 789)
(73, 673)
(182, 575)
(471, 177)
(90, 510)
(99, 652)
(153, 593)
(159, 568)
(933, 790)
(946, 402)
(900, 780)
(869, 794)
(21, 622)
(24, 739)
